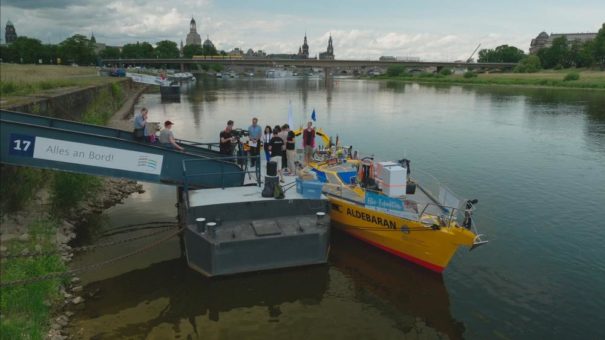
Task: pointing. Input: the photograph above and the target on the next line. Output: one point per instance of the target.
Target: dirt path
(123, 118)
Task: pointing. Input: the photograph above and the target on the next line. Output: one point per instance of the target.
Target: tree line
(79, 49)
(561, 54)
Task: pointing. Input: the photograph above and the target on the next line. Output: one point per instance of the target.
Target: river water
(535, 159)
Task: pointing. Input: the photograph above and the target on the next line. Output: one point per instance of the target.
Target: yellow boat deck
(420, 203)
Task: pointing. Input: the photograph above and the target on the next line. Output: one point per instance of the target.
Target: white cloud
(117, 22)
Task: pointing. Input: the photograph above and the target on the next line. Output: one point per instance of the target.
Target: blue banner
(21, 145)
(383, 202)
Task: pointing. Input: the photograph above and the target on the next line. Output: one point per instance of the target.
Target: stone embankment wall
(72, 104)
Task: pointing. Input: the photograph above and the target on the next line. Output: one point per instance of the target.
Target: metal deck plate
(265, 228)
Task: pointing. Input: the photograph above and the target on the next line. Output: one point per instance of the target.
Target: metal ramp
(57, 144)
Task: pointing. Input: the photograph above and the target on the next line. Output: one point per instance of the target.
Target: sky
(430, 30)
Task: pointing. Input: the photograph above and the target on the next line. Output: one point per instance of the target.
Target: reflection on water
(169, 293)
(535, 159)
(169, 299)
(411, 291)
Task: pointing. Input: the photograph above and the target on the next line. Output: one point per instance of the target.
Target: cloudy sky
(361, 29)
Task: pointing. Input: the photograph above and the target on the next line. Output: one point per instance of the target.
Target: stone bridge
(185, 64)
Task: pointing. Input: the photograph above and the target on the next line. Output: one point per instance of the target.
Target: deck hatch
(265, 228)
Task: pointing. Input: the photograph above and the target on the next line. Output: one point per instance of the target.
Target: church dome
(208, 43)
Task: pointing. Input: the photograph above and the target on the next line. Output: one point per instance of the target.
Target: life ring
(318, 132)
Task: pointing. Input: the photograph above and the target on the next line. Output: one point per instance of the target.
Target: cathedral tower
(10, 34)
(193, 38)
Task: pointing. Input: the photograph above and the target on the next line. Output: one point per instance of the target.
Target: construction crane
(470, 59)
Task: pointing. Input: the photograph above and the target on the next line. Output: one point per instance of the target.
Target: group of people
(142, 133)
(278, 142)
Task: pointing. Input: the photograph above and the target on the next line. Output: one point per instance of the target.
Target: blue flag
(313, 116)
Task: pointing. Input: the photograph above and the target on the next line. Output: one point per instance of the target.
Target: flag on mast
(313, 116)
(290, 115)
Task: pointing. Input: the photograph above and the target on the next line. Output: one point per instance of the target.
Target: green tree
(50, 53)
(166, 49)
(7, 55)
(138, 50)
(146, 50)
(26, 50)
(209, 50)
(191, 50)
(580, 54)
(598, 50)
(501, 54)
(131, 51)
(557, 55)
(109, 53)
(529, 64)
(77, 49)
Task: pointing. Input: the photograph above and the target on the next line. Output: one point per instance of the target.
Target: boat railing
(428, 211)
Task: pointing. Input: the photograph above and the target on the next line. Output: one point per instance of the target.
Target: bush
(470, 74)
(46, 85)
(395, 70)
(426, 75)
(19, 186)
(67, 189)
(445, 72)
(100, 110)
(116, 92)
(217, 67)
(8, 87)
(530, 64)
(571, 76)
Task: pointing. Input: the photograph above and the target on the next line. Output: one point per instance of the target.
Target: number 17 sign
(21, 145)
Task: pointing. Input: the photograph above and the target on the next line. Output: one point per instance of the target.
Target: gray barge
(236, 230)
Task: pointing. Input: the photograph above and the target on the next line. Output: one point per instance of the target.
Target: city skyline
(430, 30)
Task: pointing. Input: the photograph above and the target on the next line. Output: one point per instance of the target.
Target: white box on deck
(394, 178)
(380, 166)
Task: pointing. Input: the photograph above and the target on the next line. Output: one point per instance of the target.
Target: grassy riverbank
(18, 81)
(27, 310)
(556, 78)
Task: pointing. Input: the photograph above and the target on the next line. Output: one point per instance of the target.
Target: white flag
(290, 115)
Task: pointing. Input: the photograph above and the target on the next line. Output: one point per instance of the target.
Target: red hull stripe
(410, 258)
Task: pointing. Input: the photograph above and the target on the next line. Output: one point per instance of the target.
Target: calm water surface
(535, 159)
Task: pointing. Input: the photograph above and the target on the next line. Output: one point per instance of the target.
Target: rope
(90, 267)
(128, 226)
(91, 247)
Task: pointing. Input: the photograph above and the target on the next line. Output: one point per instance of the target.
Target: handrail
(209, 146)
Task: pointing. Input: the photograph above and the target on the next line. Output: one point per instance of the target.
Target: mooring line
(85, 248)
(89, 267)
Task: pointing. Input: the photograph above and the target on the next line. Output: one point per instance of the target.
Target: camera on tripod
(239, 133)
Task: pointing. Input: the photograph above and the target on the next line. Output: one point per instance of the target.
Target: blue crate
(311, 189)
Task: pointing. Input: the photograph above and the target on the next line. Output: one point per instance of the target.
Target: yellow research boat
(379, 203)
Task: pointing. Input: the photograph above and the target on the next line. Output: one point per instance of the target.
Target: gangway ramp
(51, 143)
